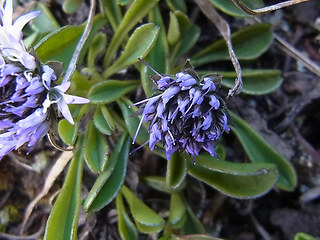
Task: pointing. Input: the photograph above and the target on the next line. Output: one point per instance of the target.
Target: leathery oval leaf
(176, 171)
(109, 182)
(158, 54)
(63, 219)
(96, 152)
(146, 219)
(68, 132)
(189, 33)
(71, 6)
(113, 12)
(248, 43)
(45, 22)
(126, 227)
(260, 151)
(238, 183)
(174, 29)
(139, 44)
(132, 123)
(228, 7)
(159, 183)
(255, 81)
(60, 44)
(103, 120)
(137, 10)
(192, 224)
(110, 90)
(175, 5)
(177, 213)
(196, 237)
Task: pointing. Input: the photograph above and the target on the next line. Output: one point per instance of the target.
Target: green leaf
(248, 43)
(126, 227)
(157, 57)
(138, 46)
(71, 6)
(124, 2)
(240, 180)
(111, 90)
(60, 45)
(45, 22)
(64, 216)
(97, 47)
(109, 182)
(159, 183)
(103, 120)
(255, 82)
(177, 214)
(192, 224)
(134, 14)
(96, 152)
(68, 132)
(196, 237)
(260, 151)
(303, 236)
(176, 171)
(189, 35)
(174, 29)
(175, 5)
(132, 123)
(145, 218)
(228, 7)
(113, 12)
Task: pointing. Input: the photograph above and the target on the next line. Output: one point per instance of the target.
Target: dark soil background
(288, 119)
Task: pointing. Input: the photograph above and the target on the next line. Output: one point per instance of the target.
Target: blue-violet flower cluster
(27, 88)
(188, 115)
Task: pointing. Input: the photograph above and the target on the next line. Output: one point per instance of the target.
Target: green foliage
(228, 7)
(255, 81)
(109, 182)
(63, 220)
(60, 44)
(248, 43)
(67, 132)
(138, 46)
(96, 152)
(146, 220)
(303, 236)
(229, 177)
(111, 90)
(108, 69)
(134, 14)
(261, 152)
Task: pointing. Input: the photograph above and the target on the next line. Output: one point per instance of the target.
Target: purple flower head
(27, 92)
(187, 115)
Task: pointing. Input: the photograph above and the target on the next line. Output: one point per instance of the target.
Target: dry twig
(266, 9)
(55, 171)
(208, 9)
(73, 63)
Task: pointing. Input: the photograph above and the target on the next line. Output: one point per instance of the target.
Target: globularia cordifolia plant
(184, 114)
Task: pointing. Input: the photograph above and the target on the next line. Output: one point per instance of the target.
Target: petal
(214, 102)
(63, 108)
(63, 87)
(71, 99)
(169, 93)
(7, 14)
(20, 22)
(210, 148)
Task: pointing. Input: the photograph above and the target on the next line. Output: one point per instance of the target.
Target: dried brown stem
(267, 9)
